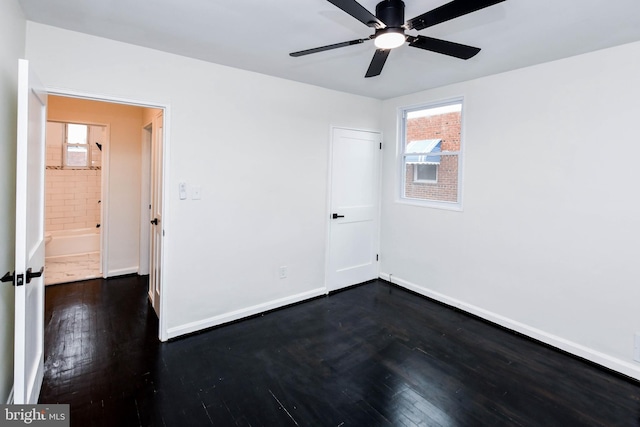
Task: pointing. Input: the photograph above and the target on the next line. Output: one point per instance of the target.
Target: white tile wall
(72, 199)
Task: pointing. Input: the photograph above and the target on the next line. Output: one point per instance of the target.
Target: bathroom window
(76, 148)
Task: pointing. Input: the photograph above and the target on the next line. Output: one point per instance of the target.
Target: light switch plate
(182, 190)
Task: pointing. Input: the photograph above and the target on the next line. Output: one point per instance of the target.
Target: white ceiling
(258, 35)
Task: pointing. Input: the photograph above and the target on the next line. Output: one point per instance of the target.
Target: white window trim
(401, 144)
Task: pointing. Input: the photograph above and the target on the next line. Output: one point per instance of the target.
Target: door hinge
(377, 257)
(381, 145)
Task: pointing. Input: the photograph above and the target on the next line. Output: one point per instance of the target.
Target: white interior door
(156, 233)
(29, 264)
(354, 201)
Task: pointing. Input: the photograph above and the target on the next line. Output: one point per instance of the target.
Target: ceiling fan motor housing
(391, 12)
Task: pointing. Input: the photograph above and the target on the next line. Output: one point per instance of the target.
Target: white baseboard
(121, 272)
(579, 350)
(242, 313)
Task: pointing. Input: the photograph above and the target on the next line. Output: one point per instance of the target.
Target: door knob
(154, 221)
(336, 216)
(31, 274)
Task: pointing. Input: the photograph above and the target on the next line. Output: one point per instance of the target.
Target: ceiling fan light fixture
(389, 38)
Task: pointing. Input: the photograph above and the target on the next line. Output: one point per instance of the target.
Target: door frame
(329, 197)
(145, 198)
(166, 108)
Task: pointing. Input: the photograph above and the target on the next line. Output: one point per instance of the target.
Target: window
(430, 143)
(425, 173)
(76, 148)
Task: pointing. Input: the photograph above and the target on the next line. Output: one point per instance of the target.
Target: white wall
(258, 147)
(12, 44)
(123, 187)
(547, 243)
(547, 240)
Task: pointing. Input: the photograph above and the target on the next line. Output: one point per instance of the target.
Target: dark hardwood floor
(371, 355)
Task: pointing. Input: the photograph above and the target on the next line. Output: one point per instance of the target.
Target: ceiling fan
(390, 29)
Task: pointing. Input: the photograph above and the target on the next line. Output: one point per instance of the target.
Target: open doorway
(73, 197)
(124, 177)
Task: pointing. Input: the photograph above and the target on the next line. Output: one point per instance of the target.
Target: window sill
(448, 206)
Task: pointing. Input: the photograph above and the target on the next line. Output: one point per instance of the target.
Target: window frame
(400, 154)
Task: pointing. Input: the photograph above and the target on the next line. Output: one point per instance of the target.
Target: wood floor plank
(373, 355)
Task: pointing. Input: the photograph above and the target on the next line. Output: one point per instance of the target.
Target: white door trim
(166, 109)
(329, 194)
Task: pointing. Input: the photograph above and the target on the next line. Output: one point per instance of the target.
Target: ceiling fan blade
(445, 47)
(448, 11)
(355, 9)
(379, 58)
(328, 47)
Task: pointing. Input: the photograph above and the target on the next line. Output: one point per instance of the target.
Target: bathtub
(72, 242)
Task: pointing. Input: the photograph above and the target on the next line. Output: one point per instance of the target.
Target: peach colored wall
(148, 115)
(123, 172)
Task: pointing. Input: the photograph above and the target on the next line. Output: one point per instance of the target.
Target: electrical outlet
(196, 193)
(636, 347)
(282, 272)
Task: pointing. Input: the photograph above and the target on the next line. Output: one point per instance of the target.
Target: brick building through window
(434, 176)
